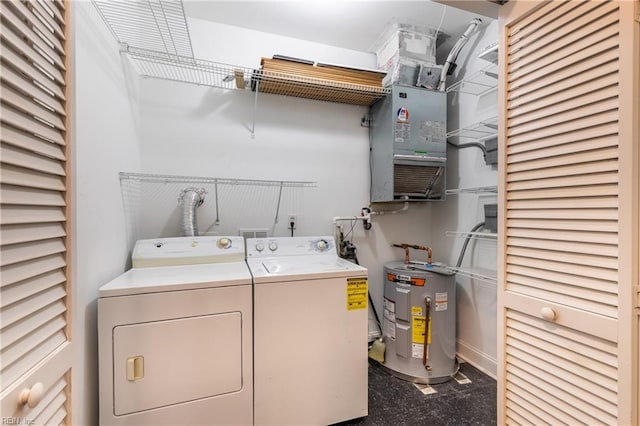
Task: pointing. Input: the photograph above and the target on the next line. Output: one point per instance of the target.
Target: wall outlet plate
(292, 221)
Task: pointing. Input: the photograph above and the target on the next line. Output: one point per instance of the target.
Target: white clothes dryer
(175, 335)
(310, 332)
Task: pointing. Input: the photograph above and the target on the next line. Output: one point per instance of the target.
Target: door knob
(33, 396)
(548, 314)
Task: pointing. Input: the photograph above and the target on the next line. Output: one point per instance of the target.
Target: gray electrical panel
(409, 145)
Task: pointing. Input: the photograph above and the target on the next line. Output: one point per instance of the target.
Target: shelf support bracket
(275, 219)
(255, 110)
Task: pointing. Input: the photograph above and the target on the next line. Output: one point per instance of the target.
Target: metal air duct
(190, 199)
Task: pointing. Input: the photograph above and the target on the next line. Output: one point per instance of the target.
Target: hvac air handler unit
(409, 145)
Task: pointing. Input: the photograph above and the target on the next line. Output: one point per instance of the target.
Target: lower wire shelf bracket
(476, 274)
(473, 235)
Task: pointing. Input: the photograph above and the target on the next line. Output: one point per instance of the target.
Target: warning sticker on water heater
(418, 326)
(417, 350)
(389, 305)
(356, 293)
(442, 300)
(389, 328)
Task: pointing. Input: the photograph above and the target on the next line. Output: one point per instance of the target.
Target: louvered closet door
(35, 354)
(561, 222)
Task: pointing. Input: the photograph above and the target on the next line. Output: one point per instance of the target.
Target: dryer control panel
(290, 246)
(187, 251)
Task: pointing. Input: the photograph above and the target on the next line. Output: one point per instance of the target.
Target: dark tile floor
(395, 402)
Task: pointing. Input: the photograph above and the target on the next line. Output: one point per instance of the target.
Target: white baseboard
(483, 362)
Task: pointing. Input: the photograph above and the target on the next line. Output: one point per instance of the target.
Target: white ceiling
(351, 24)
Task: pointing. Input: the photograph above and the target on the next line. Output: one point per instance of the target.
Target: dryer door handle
(135, 368)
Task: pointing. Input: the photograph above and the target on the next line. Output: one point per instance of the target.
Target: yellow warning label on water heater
(418, 326)
(356, 293)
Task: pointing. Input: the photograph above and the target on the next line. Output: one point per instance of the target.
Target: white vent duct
(453, 55)
(190, 199)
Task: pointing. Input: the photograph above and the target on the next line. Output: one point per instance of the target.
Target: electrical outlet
(293, 221)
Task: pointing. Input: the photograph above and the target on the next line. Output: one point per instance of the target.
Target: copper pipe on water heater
(406, 251)
(406, 248)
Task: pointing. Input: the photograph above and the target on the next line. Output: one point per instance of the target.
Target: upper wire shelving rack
(168, 66)
(155, 36)
(156, 25)
(482, 130)
(479, 83)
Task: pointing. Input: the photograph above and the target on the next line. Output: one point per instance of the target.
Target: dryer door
(162, 363)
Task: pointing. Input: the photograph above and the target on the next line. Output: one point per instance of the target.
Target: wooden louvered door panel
(564, 278)
(35, 351)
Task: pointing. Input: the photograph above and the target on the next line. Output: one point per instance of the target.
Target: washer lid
(297, 268)
(172, 278)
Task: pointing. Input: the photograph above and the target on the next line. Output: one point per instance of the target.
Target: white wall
(105, 141)
(244, 47)
(476, 322)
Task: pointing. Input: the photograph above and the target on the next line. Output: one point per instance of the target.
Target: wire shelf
(475, 273)
(160, 178)
(476, 190)
(152, 204)
(479, 83)
(477, 131)
(158, 25)
(154, 64)
(473, 235)
(155, 36)
(168, 66)
(318, 89)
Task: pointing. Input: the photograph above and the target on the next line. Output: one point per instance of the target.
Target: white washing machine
(310, 332)
(175, 335)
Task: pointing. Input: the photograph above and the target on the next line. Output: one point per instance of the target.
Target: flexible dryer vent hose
(190, 199)
(453, 54)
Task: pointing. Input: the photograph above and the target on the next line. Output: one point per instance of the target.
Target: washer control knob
(322, 245)
(224, 243)
(259, 246)
(273, 246)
